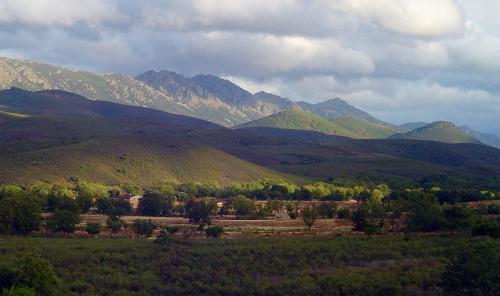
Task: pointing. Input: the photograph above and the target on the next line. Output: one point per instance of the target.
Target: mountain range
(220, 101)
(59, 136)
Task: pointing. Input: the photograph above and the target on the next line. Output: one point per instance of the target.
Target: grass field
(379, 265)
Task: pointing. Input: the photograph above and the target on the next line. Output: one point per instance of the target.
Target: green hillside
(70, 136)
(301, 120)
(345, 126)
(364, 129)
(143, 160)
(440, 131)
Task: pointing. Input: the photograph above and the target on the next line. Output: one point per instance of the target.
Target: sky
(400, 60)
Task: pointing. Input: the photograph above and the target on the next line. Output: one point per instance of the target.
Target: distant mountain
(488, 139)
(54, 135)
(32, 75)
(406, 127)
(337, 108)
(206, 97)
(345, 126)
(236, 105)
(441, 131)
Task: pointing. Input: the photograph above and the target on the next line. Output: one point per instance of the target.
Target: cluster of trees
(422, 212)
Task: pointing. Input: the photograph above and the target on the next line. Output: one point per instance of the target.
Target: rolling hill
(67, 136)
(441, 131)
(56, 135)
(352, 127)
(300, 120)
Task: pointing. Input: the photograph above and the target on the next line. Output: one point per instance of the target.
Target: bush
(244, 207)
(93, 228)
(459, 217)
(63, 221)
(173, 229)
(327, 210)
(309, 215)
(30, 275)
(115, 223)
(143, 227)
(199, 211)
(214, 231)
(21, 291)
(343, 213)
(473, 270)
(368, 217)
(292, 211)
(18, 215)
(426, 214)
(490, 228)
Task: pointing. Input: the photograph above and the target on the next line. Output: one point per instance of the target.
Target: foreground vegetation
(380, 265)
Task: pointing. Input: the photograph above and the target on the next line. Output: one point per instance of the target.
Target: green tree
(459, 217)
(473, 270)
(309, 215)
(244, 207)
(115, 223)
(19, 215)
(490, 228)
(143, 227)
(199, 211)
(36, 273)
(11, 191)
(93, 228)
(327, 210)
(113, 207)
(63, 221)
(89, 193)
(368, 217)
(426, 214)
(156, 204)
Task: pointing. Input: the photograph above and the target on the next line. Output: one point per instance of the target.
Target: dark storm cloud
(402, 60)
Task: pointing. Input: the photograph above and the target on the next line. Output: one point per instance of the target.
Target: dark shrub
(93, 228)
(143, 227)
(63, 221)
(490, 228)
(18, 215)
(214, 231)
(173, 229)
(473, 270)
(327, 210)
(343, 213)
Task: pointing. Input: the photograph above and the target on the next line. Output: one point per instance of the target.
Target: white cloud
(421, 18)
(64, 13)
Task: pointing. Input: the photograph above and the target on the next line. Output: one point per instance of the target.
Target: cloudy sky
(401, 60)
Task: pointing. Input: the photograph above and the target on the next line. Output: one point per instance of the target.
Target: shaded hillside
(66, 136)
(70, 136)
(318, 156)
(300, 120)
(441, 131)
